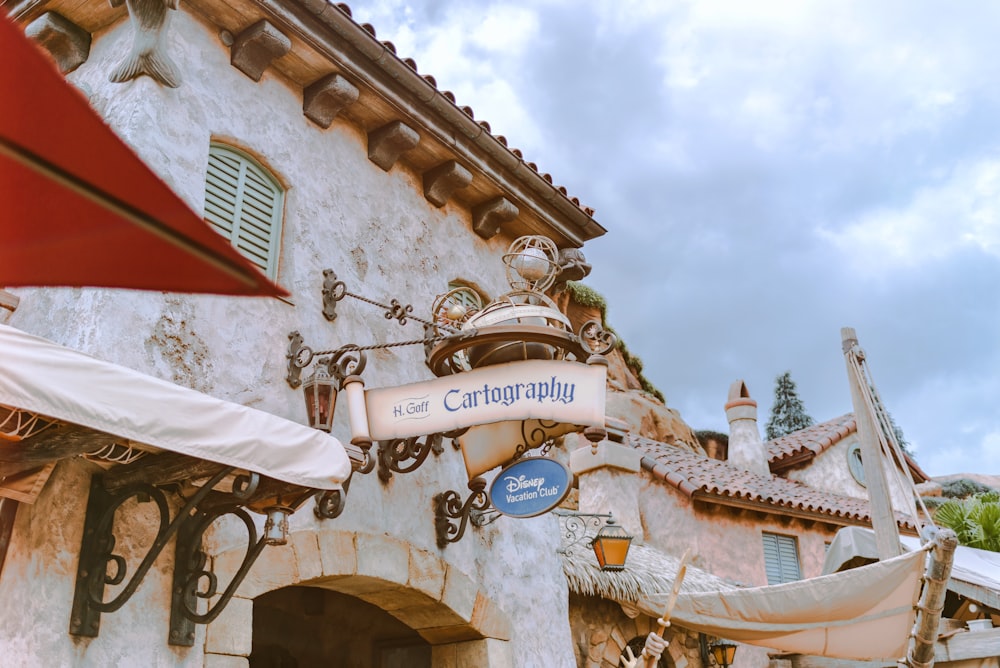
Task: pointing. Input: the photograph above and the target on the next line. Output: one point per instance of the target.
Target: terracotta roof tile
(809, 442)
(802, 445)
(692, 473)
(412, 64)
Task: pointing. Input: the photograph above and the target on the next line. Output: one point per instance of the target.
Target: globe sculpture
(522, 324)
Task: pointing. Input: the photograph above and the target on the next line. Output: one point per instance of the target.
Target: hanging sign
(553, 391)
(530, 486)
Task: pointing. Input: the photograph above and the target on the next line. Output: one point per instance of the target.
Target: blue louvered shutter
(243, 202)
(781, 558)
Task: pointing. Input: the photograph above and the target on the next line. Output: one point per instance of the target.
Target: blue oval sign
(530, 486)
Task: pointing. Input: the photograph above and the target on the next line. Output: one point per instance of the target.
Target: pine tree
(903, 443)
(787, 413)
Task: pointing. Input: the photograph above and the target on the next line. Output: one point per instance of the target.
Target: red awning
(79, 208)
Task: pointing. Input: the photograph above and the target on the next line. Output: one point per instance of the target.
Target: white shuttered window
(781, 558)
(243, 202)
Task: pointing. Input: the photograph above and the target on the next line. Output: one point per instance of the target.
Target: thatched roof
(647, 571)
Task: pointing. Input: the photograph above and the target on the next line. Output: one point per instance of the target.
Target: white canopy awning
(975, 573)
(864, 613)
(39, 376)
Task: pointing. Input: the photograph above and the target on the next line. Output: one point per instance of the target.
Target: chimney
(745, 447)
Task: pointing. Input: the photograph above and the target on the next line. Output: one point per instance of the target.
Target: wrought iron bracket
(334, 290)
(331, 503)
(576, 528)
(448, 506)
(97, 550)
(404, 455)
(340, 363)
(194, 583)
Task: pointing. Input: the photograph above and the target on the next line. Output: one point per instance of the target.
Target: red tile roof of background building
(716, 481)
(803, 445)
(808, 442)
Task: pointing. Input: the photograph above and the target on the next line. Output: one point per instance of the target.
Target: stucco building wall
(380, 235)
(724, 541)
(830, 471)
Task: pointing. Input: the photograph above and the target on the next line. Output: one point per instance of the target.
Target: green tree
(787, 412)
(903, 443)
(975, 520)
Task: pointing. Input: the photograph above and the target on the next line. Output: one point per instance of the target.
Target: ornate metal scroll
(576, 528)
(449, 506)
(194, 580)
(97, 551)
(394, 454)
(341, 363)
(331, 503)
(335, 290)
(595, 339)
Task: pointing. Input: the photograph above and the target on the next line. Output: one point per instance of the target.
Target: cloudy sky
(768, 173)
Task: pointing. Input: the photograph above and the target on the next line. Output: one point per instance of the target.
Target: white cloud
(938, 222)
(472, 50)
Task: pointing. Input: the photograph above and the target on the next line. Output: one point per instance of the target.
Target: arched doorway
(302, 627)
(413, 596)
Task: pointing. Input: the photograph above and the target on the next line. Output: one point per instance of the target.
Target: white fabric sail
(861, 614)
(42, 377)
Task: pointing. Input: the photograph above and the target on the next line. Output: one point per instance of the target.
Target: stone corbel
(490, 215)
(387, 143)
(68, 43)
(327, 97)
(442, 181)
(257, 47)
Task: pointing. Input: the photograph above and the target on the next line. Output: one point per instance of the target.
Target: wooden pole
(664, 619)
(883, 519)
(8, 511)
(925, 632)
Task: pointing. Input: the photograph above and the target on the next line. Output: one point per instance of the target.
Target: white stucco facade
(385, 240)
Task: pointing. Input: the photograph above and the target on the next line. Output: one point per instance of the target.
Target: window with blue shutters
(781, 558)
(243, 202)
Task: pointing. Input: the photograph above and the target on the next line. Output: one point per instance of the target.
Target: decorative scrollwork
(195, 579)
(393, 454)
(331, 503)
(449, 506)
(595, 339)
(333, 291)
(347, 361)
(398, 311)
(341, 363)
(299, 357)
(577, 527)
(97, 549)
(533, 431)
(245, 486)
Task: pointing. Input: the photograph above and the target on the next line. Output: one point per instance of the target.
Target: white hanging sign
(556, 391)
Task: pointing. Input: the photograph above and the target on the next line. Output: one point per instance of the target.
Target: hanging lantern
(724, 653)
(611, 546)
(321, 397)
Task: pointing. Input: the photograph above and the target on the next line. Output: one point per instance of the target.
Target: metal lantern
(611, 546)
(724, 653)
(321, 398)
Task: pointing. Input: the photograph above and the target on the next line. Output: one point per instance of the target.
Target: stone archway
(443, 605)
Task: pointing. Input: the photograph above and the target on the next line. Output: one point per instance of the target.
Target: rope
(888, 442)
(26, 425)
(398, 344)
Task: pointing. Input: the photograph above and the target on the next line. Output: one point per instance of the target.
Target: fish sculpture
(149, 19)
